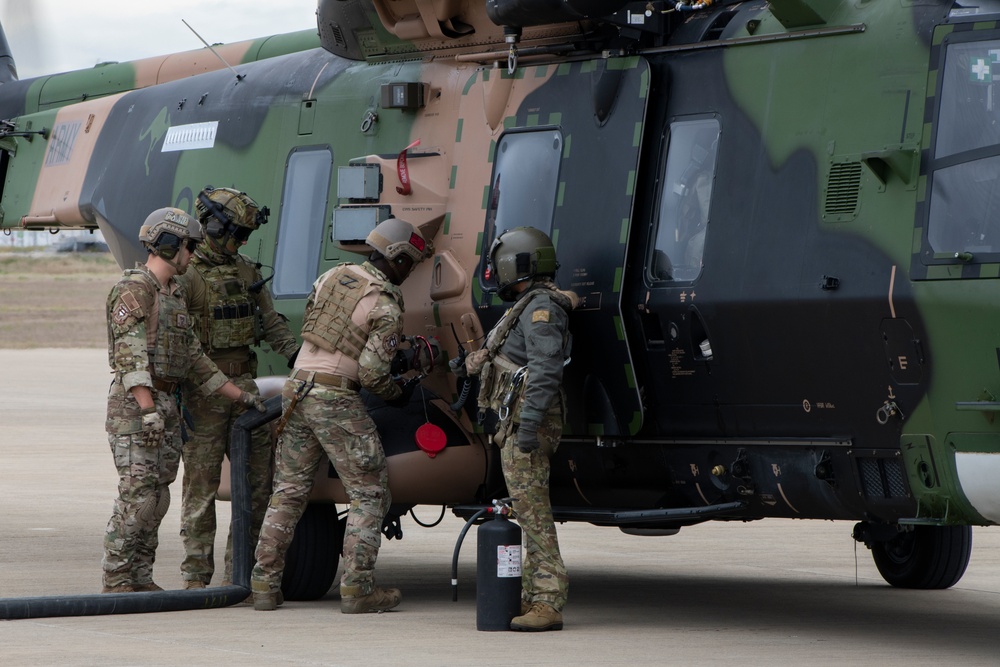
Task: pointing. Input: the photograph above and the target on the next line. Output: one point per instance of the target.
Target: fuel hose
(100, 604)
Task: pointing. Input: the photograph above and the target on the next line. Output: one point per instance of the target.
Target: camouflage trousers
(543, 574)
(144, 478)
(202, 455)
(334, 421)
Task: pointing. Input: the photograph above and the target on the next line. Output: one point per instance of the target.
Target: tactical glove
(406, 389)
(252, 401)
(153, 428)
(527, 437)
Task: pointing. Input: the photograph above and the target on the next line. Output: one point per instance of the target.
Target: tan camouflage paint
(57, 194)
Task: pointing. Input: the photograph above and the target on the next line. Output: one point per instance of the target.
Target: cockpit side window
(523, 189)
(964, 197)
(684, 201)
(303, 213)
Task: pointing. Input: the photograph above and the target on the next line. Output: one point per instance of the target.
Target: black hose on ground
(458, 548)
(204, 598)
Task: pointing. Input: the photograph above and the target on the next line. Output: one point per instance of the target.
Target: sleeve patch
(127, 305)
(391, 342)
(540, 316)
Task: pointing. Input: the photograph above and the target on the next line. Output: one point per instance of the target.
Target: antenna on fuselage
(239, 77)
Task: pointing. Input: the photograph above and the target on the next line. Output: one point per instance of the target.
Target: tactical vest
(328, 323)
(229, 316)
(167, 324)
(501, 381)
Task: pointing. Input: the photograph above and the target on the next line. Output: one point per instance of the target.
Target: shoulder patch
(127, 306)
(391, 342)
(541, 315)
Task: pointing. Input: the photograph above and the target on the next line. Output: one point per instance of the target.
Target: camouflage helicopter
(777, 213)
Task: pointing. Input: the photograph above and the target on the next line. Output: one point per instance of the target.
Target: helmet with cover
(398, 248)
(229, 214)
(521, 255)
(394, 238)
(166, 230)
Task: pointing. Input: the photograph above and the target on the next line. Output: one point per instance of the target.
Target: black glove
(400, 363)
(527, 437)
(406, 392)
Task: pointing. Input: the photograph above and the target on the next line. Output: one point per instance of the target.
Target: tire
(929, 557)
(313, 556)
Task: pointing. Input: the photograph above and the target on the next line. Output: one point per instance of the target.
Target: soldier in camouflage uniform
(151, 349)
(521, 403)
(352, 327)
(230, 311)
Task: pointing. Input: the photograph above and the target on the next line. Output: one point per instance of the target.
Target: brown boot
(379, 600)
(192, 584)
(540, 617)
(148, 587)
(120, 588)
(264, 597)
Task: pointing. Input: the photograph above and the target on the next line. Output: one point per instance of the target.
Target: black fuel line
(100, 604)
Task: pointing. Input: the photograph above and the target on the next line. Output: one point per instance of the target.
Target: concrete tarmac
(775, 592)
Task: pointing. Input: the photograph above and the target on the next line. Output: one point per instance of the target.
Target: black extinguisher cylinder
(498, 573)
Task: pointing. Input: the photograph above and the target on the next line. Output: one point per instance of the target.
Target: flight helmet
(228, 216)
(166, 230)
(519, 255)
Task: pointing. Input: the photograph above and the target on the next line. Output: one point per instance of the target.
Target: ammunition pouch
(501, 389)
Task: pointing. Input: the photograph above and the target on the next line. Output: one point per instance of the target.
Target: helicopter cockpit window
(300, 230)
(683, 215)
(524, 186)
(964, 211)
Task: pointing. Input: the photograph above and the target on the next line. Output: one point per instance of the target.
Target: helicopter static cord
(239, 77)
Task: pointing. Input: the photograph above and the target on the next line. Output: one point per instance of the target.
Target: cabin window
(683, 213)
(524, 186)
(303, 212)
(964, 202)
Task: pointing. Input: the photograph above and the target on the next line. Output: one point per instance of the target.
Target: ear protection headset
(216, 226)
(167, 245)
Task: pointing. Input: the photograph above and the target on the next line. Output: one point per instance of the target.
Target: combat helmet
(228, 212)
(394, 238)
(520, 255)
(166, 230)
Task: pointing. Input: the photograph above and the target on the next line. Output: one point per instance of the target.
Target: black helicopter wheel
(312, 558)
(928, 557)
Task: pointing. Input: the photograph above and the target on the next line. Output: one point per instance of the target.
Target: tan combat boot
(379, 600)
(148, 587)
(120, 588)
(192, 584)
(539, 618)
(264, 598)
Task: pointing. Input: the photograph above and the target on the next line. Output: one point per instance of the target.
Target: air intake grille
(882, 478)
(843, 188)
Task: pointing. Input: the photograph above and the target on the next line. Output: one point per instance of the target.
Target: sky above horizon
(50, 36)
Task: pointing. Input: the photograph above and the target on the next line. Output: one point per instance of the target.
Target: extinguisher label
(509, 560)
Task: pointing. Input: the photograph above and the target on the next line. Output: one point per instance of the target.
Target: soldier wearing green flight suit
(151, 350)
(522, 404)
(231, 310)
(351, 332)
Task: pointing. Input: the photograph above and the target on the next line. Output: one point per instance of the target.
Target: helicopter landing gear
(312, 558)
(924, 557)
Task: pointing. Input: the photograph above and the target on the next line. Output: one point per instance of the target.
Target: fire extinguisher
(498, 567)
(498, 570)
